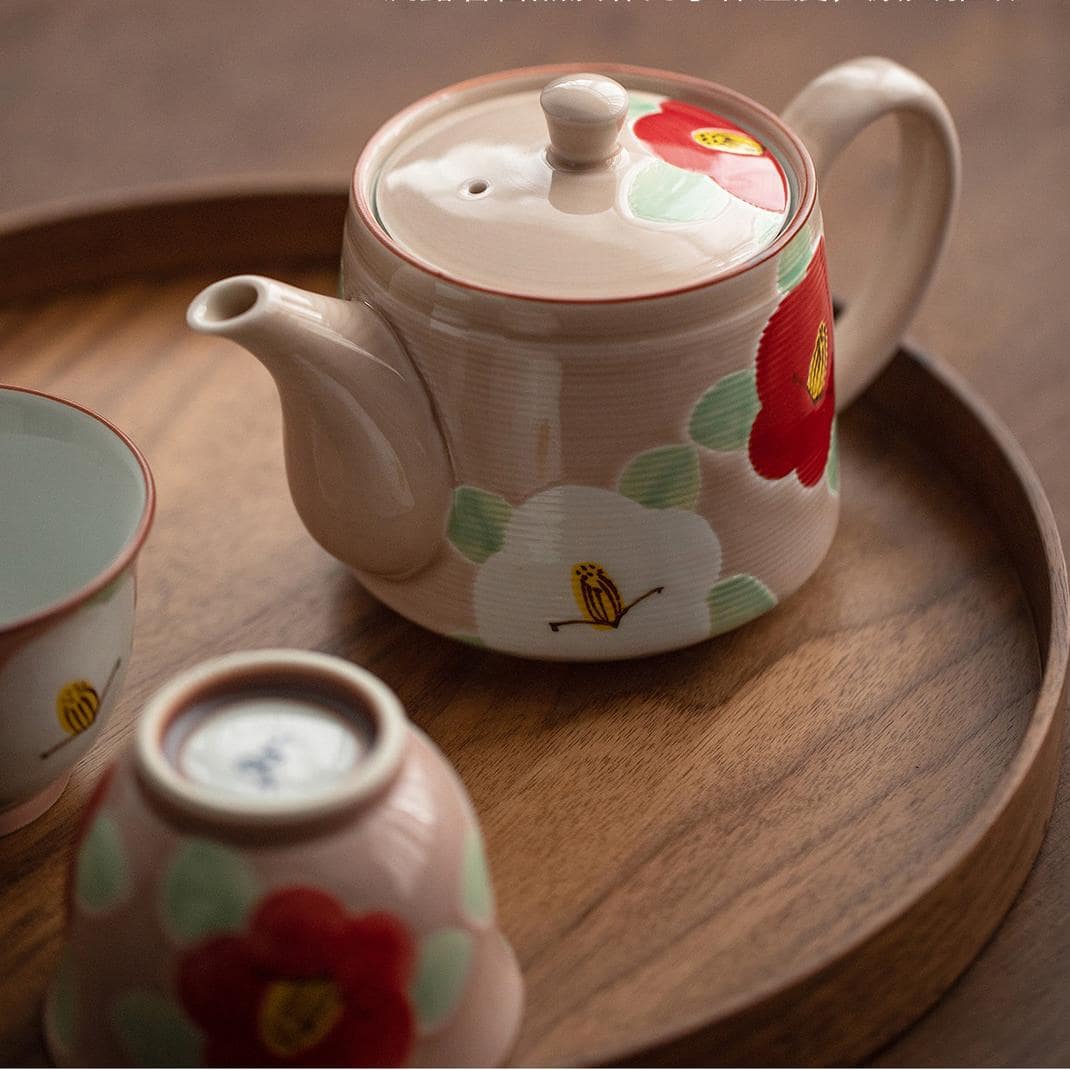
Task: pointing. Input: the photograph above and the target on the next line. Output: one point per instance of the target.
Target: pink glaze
(537, 420)
(170, 874)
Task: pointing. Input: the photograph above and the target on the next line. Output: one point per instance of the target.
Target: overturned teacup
(76, 503)
(281, 870)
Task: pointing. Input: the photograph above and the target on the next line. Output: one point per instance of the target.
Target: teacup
(281, 870)
(76, 503)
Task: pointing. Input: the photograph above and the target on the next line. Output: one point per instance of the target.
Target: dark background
(101, 97)
(111, 95)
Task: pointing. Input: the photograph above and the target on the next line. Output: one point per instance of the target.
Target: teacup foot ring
(20, 815)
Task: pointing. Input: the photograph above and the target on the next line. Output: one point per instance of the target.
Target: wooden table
(113, 95)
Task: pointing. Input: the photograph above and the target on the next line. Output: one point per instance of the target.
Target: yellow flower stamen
(297, 1015)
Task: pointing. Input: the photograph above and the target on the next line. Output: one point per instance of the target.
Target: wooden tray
(781, 846)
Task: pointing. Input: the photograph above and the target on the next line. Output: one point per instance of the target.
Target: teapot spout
(368, 470)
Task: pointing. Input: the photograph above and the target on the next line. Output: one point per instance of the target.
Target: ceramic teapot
(578, 397)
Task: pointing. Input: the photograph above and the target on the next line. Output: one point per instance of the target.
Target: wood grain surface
(115, 95)
(736, 853)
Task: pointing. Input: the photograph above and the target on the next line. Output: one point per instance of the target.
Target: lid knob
(584, 114)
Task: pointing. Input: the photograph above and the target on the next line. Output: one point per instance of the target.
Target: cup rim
(365, 780)
(798, 220)
(129, 550)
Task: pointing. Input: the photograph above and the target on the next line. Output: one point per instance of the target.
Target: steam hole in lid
(477, 187)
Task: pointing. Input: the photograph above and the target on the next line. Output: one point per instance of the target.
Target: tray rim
(1043, 734)
(146, 217)
(138, 199)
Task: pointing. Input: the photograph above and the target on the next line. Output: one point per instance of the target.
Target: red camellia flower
(793, 428)
(306, 985)
(699, 140)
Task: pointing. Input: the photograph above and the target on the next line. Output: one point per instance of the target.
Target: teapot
(577, 398)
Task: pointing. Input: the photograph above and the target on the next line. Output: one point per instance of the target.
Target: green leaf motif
(832, 468)
(477, 523)
(736, 600)
(470, 640)
(723, 417)
(477, 895)
(208, 889)
(638, 108)
(61, 1004)
(795, 259)
(663, 478)
(100, 876)
(154, 1032)
(441, 976)
(662, 193)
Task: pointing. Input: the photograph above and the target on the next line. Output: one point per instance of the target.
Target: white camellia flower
(587, 573)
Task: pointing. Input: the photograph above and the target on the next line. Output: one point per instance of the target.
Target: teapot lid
(580, 189)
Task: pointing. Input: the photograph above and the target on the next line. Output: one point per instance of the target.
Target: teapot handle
(827, 115)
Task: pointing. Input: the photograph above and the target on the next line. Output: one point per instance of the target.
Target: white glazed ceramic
(281, 871)
(76, 503)
(578, 401)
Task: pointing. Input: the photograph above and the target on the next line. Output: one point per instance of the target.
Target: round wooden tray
(780, 846)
